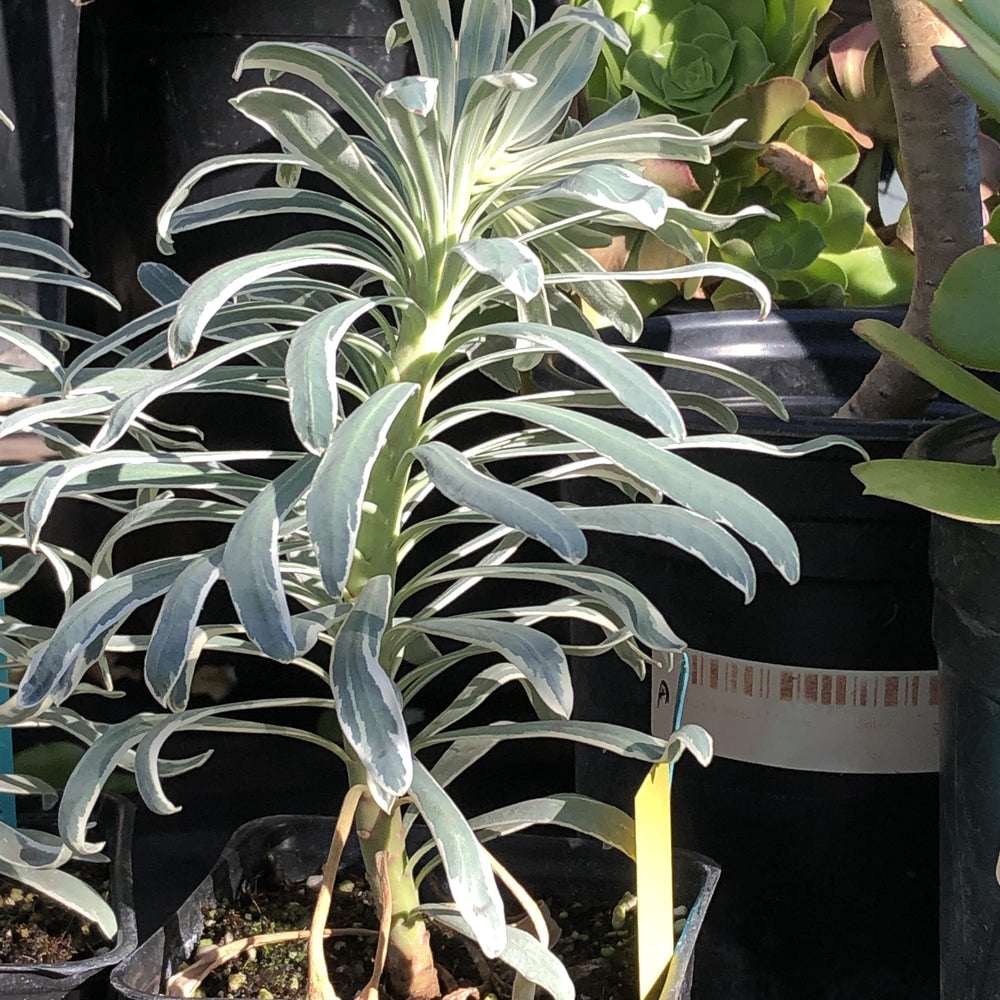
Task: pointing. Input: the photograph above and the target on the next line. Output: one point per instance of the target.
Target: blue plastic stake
(8, 809)
(683, 672)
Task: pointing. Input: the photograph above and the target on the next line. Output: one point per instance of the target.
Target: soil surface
(600, 958)
(35, 930)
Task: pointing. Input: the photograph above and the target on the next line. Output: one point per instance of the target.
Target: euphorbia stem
(410, 961)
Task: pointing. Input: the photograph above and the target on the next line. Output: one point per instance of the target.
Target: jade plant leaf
(964, 492)
(964, 311)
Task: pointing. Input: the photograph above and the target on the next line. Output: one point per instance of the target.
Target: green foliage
(33, 858)
(966, 492)
(469, 193)
(963, 313)
(976, 67)
(714, 63)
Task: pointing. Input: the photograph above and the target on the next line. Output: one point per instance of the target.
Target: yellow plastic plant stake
(654, 879)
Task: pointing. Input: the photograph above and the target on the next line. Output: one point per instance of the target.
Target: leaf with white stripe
(332, 71)
(335, 501)
(311, 369)
(612, 187)
(695, 534)
(523, 952)
(483, 38)
(16, 574)
(64, 280)
(537, 656)
(470, 877)
(429, 22)
(453, 474)
(682, 481)
(68, 891)
(173, 646)
(128, 409)
(511, 264)
(209, 293)
(620, 597)
(161, 283)
(164, 219)
(23, 784)
(308, 130)
(620, 740)
(85, 629)
(634, 389)
(32, 848)
(578, 813)
(251, 565)
(368, 704)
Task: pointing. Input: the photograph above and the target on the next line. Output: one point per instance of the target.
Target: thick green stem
(940, 158)
(410, 962)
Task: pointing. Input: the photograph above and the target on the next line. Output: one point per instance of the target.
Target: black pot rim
(270, 829)
(117, 815)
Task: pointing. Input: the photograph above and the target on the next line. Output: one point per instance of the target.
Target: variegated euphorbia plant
(29, 857)
(468, 190)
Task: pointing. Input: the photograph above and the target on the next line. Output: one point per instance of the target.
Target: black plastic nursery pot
(821, 802)
(85, 979)
(965, 567)
(297, 847)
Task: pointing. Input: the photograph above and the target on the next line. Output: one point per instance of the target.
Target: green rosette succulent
(687, 58)
(716, 62)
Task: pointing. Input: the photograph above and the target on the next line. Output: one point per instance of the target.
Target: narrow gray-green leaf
(579, 813)
(624, 379)
(332, 71)
(127, 411)
(256, 202)
(85, 629)
(429, 22)
(251, 565)
(68, 891)
(65, 280)
(23, 784)
(335, 501)
(453, 474)
(35, 850)
(307, 129)
(212, 290)
(616, 739)
(168, 656)
(470, 877)
(368, 705)
(16, 574)
(623, 599)
(538, 656)
(609, 186)
(164, 228)
(311, 369)
(83, 787)
(511, 264)
(695, 534)
(483, 38)
(523, 952)
(682, 481)
(161, 283)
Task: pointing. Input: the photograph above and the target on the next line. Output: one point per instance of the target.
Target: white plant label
(806, 719)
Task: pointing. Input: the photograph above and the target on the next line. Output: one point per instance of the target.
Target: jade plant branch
(939, 149)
